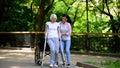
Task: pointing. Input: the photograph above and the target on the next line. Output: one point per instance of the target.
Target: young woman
(65, 29)
(52, 35)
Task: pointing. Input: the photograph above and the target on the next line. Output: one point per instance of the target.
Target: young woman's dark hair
(68, 18)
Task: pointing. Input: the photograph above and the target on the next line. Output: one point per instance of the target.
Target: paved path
(24, 58)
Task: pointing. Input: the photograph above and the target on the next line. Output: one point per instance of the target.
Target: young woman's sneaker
(68, 65)
(63, 64)
(51, 65)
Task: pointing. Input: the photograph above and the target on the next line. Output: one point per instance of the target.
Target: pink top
(65, 30)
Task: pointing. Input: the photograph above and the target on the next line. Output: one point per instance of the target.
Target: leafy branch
(102, 11)
(68, 5)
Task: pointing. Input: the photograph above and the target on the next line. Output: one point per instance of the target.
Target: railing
(98, 42)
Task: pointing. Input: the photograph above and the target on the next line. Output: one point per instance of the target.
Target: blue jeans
(65, 44)
(54, 49)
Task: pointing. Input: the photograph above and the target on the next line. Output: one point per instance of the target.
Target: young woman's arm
(69, 29)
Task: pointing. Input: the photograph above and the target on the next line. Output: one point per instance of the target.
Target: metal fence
(98, 42)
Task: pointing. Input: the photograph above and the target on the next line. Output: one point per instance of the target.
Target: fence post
(87, 28)
(87, 42)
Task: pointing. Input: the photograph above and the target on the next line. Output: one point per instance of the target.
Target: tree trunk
(1, 10)
(41, 14)
(115, 42)
(40, 18)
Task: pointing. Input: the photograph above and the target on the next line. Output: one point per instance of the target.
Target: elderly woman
(52, 35)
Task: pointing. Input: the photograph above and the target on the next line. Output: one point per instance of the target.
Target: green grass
(111, 64)
(106, 64)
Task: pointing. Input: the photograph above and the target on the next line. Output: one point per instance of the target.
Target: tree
(1, 10)
(17, 14)
(115, 26)
(42, 11)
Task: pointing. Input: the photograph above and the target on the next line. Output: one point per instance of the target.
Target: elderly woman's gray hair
(53, 16)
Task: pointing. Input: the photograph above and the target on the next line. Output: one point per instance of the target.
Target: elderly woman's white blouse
(52, 30)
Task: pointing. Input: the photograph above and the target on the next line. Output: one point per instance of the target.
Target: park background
(95, 23)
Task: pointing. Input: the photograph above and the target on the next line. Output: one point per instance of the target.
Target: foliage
(18, 16)
(22, 13)
(103, 16)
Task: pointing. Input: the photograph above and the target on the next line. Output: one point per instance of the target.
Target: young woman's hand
(64, 34)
